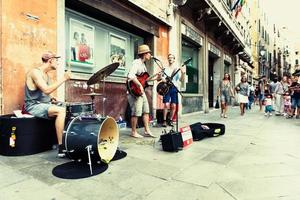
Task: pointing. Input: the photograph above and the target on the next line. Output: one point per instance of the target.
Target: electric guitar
(134, 89)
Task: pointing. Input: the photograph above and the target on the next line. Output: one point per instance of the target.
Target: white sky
(284, 13)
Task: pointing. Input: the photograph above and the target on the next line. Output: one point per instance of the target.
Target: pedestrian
(295, 95)
(243, 88)
(225, 92)
(280, 90)
(261, 91)
(250, 97)
(272, 88)
(268, 104)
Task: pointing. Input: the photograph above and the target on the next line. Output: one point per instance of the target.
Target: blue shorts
(295, 103)
(39, 109)
(268, 109)
(225, 98)
(261, 97)
(171, 95)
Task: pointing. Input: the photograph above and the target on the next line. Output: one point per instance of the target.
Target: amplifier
(171, 141)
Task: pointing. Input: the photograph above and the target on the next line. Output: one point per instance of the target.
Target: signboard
(212, 48)
(190, 33)
(187, 137)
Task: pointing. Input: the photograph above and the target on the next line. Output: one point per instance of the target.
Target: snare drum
(77, 108)
(101, 133)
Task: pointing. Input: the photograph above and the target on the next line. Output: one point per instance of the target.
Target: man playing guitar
(139, 104)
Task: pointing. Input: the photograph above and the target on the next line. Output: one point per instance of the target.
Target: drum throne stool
(31, 135)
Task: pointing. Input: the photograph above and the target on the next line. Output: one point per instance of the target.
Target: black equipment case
(32, 135)
(214, 130)
(171, 141)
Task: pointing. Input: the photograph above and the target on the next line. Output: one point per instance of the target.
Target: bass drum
(102, 134)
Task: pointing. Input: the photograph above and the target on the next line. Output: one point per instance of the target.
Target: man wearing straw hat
(139, 105)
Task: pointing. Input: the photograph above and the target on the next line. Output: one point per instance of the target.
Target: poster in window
(118, 52)
(81, 43)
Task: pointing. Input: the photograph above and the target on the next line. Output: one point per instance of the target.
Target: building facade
(89, 35)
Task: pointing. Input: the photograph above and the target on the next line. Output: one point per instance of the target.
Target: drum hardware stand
(89, 149)
(104, 98)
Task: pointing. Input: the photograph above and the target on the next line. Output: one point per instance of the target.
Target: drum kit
(88, 136)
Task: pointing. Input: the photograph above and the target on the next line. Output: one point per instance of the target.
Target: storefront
(101, 34)
(191, 43)
(214, 72)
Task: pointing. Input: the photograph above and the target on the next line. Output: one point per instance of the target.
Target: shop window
(192, 70)
(92, 45)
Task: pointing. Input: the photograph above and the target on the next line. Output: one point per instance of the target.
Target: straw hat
(143, 49)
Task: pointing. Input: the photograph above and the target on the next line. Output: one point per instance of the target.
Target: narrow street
(258, 158)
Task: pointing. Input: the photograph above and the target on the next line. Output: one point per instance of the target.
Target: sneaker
(61, 152)
(171, 123)
(289, 116)
(270, 114)
(266, 114)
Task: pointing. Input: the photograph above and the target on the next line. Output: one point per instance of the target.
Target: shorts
(225, 98)
(39, 110)
(261, 97)
(295, 103)
(171, 95)
(138, 105)
(268, 108)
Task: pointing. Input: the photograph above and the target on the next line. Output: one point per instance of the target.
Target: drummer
(139, 105)
(38, 99)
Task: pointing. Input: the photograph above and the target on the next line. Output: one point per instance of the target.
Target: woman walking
(225, 92)
(243, 88)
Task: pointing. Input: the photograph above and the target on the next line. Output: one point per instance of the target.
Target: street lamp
(262, 53)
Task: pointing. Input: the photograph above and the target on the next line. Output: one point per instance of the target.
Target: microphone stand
(169, 80)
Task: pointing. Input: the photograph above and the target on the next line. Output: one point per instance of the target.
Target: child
(268, 105)
(287, 105)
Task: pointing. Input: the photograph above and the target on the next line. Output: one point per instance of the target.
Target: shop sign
(227, 58)
(189, 32)
(212, 48)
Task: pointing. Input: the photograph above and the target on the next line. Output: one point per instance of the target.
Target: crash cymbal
(92, 94)
(102, 73)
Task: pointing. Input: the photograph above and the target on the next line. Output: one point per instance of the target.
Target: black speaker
(171, 141)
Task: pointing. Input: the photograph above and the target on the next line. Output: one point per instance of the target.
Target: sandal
(149, 134)
(136, 135)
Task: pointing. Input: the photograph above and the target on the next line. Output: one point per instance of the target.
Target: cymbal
(102, 73)
(92, 94)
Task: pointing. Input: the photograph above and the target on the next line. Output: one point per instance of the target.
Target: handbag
(217, 105)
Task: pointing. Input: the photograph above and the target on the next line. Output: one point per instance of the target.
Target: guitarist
(139, 104)
(171, 98)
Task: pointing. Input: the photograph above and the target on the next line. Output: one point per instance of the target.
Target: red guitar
(134, 89)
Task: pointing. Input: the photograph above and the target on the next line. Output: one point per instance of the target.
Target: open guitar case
(199, 132)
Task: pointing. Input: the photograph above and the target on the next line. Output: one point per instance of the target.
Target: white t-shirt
(138, 67)
(169, 71)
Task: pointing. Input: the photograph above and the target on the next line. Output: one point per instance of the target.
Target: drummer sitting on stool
(38, 101)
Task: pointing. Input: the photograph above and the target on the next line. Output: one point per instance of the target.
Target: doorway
(211, 63)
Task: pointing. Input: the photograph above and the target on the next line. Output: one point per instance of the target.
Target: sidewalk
(258, 158)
